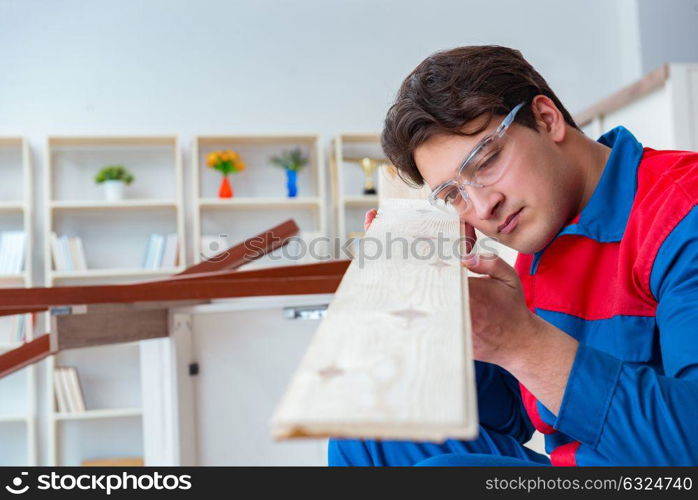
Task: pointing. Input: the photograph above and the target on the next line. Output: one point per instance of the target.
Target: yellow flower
(240, 165)
(212, 159)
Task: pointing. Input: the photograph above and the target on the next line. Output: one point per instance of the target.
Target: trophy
(369, 166)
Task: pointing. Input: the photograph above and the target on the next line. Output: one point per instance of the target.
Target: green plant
(290, 160)
(114, 173)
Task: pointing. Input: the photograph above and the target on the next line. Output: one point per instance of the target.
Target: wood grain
(392, 359)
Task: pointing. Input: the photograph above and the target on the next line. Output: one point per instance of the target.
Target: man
(598, 346)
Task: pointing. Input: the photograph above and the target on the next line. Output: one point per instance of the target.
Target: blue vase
(291, 178)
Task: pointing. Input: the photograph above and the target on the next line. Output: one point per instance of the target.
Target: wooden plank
(392, 359)
(249, 250)
(195, 290)
(37, 299)
(84, 327)
(332, 267)
(28, 353)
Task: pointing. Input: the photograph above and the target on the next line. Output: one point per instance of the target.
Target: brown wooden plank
(247, 251)
(238, 286)
(18, 300)
(314, 269)
(97, 328)
(28, 353)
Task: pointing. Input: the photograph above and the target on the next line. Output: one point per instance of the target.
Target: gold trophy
(369, 166)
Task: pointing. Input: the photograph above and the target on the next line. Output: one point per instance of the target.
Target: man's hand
(502, 324)
(505, 332)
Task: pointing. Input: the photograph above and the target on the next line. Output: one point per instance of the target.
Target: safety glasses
(483, 166)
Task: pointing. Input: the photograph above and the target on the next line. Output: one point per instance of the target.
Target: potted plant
(292, 161)
(226, 162)
(113, 178)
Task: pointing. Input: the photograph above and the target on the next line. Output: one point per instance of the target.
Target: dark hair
(453, 87)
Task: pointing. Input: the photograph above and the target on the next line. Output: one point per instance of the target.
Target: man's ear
(548, 118)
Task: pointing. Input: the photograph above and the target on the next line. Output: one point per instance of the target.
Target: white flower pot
(113, 190)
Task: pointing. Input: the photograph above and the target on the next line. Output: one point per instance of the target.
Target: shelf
(114, 272)
(13, 277)
(361, 137)
(205, 140)
(82, 141)
(259, 202)
(99, 414)
(12, 206)
(366, 199)
(13, 418)
(100, 204)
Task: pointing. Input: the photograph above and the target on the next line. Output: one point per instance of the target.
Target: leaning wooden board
(392, 358)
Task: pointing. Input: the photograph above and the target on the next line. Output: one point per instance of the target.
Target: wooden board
(392, 359)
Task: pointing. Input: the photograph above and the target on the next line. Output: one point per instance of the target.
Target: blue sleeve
(500, 407)
(636, 415)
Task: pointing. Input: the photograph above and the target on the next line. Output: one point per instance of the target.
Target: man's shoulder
(665, 172)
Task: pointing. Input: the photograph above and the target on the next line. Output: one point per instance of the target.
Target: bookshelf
(349, 202)
(260, 199)
(115, 236)
(18, 415)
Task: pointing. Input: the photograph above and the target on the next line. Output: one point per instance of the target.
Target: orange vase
(226, 190)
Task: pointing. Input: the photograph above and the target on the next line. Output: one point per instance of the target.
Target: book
(77, 402)
(69, 396)
(161, 251)
(82, 261)
(169, 256)
(12, 252)
(59, 391)
(68, 253)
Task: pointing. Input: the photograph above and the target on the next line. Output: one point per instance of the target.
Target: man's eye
(488, 162)
(451, 196)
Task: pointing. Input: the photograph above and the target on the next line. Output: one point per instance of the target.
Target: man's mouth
(510, 223)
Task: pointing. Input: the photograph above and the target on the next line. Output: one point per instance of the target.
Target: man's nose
(485, 204)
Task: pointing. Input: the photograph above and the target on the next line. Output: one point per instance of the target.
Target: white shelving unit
(260, 200)
(349, 202)
(660, 109)
(115, 236)
(18, 391)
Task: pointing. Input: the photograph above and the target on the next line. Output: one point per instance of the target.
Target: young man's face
(537, 183)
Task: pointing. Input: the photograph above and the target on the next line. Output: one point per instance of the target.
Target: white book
(148, 257)
(74, 391)
(82, 261)
(73, 250)
(55, 252)
(65, 383)
(19, 327)
(65, 253)
(169, 256)
(159, 249)
(20, 255)
(59, 391)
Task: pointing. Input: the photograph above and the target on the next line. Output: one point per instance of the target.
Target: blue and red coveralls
(621, 277)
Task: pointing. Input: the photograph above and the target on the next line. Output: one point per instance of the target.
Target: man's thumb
(493, 266)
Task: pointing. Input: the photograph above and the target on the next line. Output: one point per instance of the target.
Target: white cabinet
(661, 109)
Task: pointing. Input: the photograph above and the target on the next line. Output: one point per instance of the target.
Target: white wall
(668, 32)
(218, 66)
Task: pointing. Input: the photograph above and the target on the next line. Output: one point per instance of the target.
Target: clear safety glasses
(482, 167)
